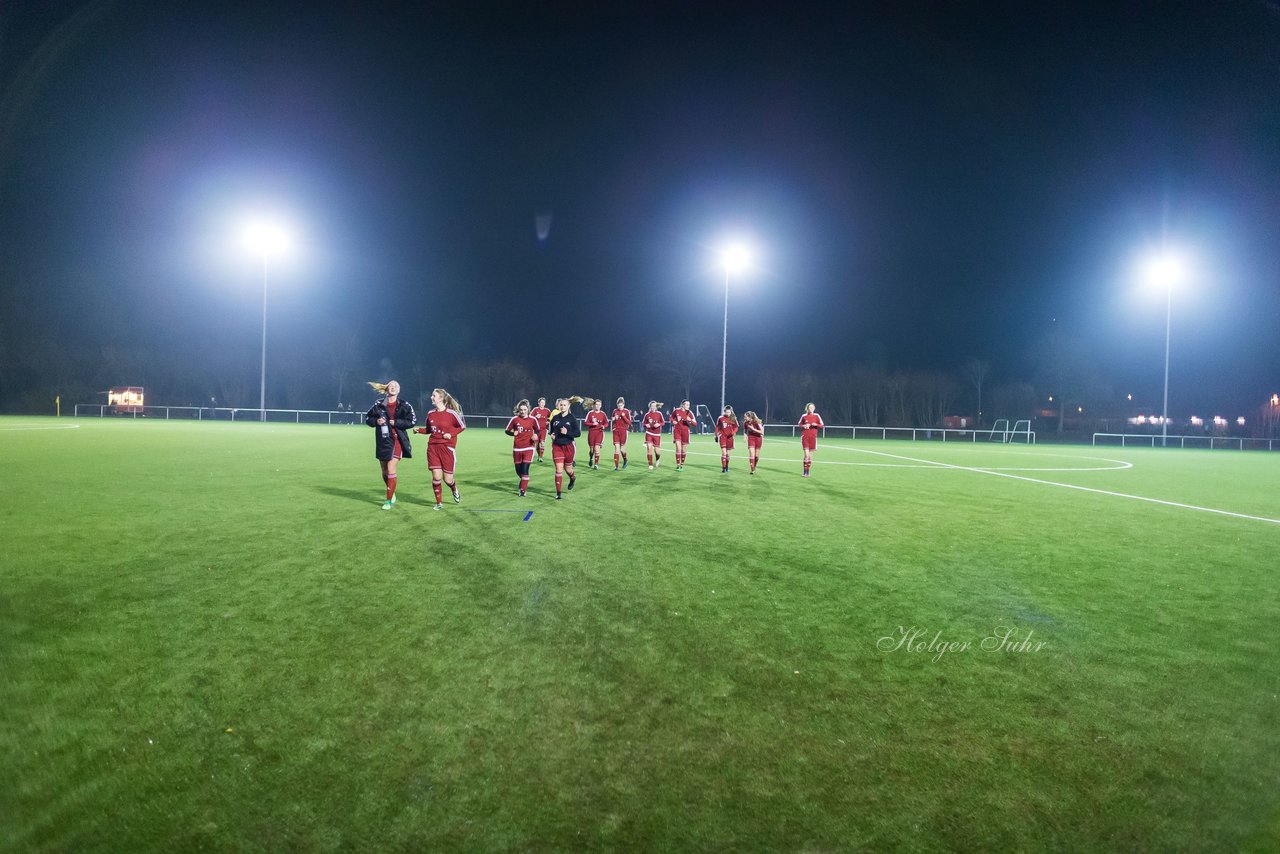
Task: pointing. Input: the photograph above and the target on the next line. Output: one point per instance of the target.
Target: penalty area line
(1083, 488)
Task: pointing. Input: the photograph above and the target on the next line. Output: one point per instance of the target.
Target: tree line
(331, 370)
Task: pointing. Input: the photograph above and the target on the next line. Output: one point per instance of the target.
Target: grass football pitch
(212, 637)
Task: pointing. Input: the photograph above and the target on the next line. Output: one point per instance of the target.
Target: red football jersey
(753, 429)
(542, 415)
(684, 417)
(810, 421)
(725, 427)
(441, 422)
(524, 432)
(596, 420)
(652, 422)
(621, 419)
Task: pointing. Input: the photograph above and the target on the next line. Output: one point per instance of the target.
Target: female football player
(392, 419)
(621, 426)
(444, 423)
(564, 429)
(754, 429)
(652, 424)
(810, 423)
(726, 428)
(524, 431)
(542, 414)
(681, 420)
(596, 421)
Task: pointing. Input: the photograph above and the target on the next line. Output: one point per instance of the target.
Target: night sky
(924, 183)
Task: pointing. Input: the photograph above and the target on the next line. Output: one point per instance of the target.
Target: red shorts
(654, 439)
(809, 440)
(754, 441)
(620, 437)
(563, 454)
(441, 457)
(595, 437)
(681, 435)
(542, 435)
(726, 442)
(522, 455)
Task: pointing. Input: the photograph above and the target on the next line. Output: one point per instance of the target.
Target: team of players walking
(393, 419)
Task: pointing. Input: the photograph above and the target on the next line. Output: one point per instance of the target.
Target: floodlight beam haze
(736, 258)
(268, 239)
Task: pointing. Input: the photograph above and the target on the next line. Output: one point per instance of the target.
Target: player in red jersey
(392, 419)
(444, 423)
(754, 429)
(652, 424)
(543, 416)
(621, 419)
(596, 421)
(726, 429)
(564, 429)
(524, 430)
(681, 420)
(810, 423)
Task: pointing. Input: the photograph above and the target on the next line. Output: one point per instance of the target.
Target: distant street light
(268, 240)
(736, 258)
(1165, 269)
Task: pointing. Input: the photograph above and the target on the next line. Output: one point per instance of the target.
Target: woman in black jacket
(564, 429)
(391, 419)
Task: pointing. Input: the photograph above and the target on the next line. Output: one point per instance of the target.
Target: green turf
(211, 636)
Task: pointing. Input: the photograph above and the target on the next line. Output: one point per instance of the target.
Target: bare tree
(896, 387)
(1066, 370)
(1013, 400)
(870, 384)
(682, 358)
(342, 355)
(511, 382)
(931, 396)
(975, 372)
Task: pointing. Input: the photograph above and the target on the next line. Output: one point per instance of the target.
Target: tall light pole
(267, 240)
(736, 258)
(1165, 269)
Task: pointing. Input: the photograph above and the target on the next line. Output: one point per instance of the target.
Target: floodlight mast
(1168, 323)
(736, 258)
(1166, 269)
(266, 239)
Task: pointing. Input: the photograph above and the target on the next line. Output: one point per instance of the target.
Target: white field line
(1119, 464)
(1083, 488)
(51, 427)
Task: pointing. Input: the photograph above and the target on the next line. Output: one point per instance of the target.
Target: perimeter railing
(1151, 440)
(909, 434)
(322, 416)
(275, 416)
(220, 413)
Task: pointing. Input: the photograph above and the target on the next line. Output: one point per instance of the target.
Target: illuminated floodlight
(736, 258)
(266, 238)
(1240, 420)
(1197, 421)
(1165, 268)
